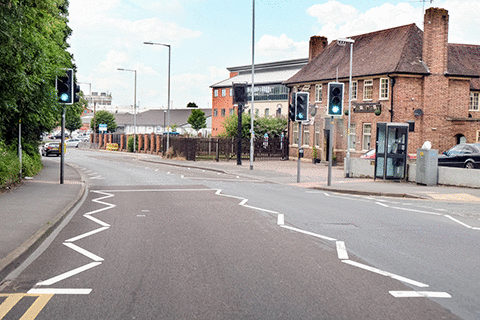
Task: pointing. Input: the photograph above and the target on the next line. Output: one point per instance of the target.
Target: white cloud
(333, 12)
(281, 47)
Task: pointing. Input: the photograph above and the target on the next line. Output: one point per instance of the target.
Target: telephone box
(391, 150)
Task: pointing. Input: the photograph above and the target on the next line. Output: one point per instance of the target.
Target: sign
(102, 127)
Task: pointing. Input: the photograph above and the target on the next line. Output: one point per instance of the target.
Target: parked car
(464, 155)
(51, 148)
(73, 142)
(370, 154)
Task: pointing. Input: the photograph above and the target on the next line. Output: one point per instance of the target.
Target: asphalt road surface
(153, 241)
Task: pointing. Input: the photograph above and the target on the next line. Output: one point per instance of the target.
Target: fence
(193, 149)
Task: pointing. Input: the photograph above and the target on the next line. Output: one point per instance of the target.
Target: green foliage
(192, 105)
(31, 164)
(9, 166)
(130, 143)
(73, 113)
(197, 119)
(33, 52)
(274, 126)
(102, 117)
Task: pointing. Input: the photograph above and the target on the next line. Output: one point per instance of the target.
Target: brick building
(399, 74)
(271, 96)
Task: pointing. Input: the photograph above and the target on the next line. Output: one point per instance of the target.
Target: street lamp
(134, 109)
(168, 105)
(343, 42)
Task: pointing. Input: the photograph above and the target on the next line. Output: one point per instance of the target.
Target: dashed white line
(58, 291)
(341, 250)
(417, 294)
(385, 273)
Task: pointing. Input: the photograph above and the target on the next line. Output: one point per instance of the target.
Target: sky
(209, 36)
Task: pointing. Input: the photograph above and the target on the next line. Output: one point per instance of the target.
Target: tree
(197, 119)
(103, 117)
(73, 113)
(274, 126)
(192, 105)
(33, 52)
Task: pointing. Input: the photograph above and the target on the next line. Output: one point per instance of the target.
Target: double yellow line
(14, 298)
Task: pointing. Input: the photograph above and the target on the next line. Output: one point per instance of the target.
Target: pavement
(30, 211)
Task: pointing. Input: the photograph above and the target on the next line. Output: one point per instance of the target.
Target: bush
(130, 143)
(10, 164)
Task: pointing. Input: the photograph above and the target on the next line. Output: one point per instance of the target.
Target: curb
(372, 193)
(17, 256)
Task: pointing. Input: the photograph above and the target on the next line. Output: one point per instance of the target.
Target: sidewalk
(315, 176)
(30, 211)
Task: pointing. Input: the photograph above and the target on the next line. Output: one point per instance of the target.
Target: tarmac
(30, 211)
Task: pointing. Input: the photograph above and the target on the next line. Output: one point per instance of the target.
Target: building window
(384, 88)
(257, 112)
(474, 101)
(367, 136)
(215, 93)
(478, 136)
(215, 112)
(295, 133)
(222, 112)
(354, 90)
(267, 112)
(318, 130)
(318, 93)
(368, 90)
(306, 135)
(224, 92)
(231, 112)
(231, 92)
(353, 135)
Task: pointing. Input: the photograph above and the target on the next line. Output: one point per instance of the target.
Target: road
(153, 241)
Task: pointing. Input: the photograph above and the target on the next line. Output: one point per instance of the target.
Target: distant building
(155, 121)
(271, 96)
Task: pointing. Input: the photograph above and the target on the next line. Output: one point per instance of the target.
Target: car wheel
(469, 165)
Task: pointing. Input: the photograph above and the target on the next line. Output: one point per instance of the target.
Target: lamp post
(342, 42)
(168, 105)
(252, 133)
(134, 109)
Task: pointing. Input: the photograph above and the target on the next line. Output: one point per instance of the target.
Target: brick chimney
(435, 40)
(317, 44)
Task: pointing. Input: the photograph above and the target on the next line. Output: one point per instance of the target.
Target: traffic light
(301, 106)
(291, 112)
(76, 90)
(239, 93)
(65, 89)
(335, 99)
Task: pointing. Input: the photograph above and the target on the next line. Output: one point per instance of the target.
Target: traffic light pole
(300, 150)
(61, 147)
(239, 134)
(330, 152)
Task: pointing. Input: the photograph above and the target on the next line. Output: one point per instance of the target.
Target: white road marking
(159, 190)
(385, 273)
(86, 234)
(281, 219)
(84, 252)
(100, 222)
(141, 215)
(68, 274)
(341, 250)
(308, 233)
(58, 291)
(461, 223)
(417, 294)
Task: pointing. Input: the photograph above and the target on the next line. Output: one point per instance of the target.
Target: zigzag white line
(80, 250)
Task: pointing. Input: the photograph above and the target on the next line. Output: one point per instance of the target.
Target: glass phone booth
(391, 150)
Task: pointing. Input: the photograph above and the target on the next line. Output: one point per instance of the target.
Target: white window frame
(295, 133)
(224, 92)
(215, 93)
(318, 131)
(231, 92)
(367, 84)
(365, 135)
(474, 101)
(383, 88)
(306, 135)
(215, 112)
(267, 112)
(222, 112)
(354, 90)
(318, 92)
(353, 136)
